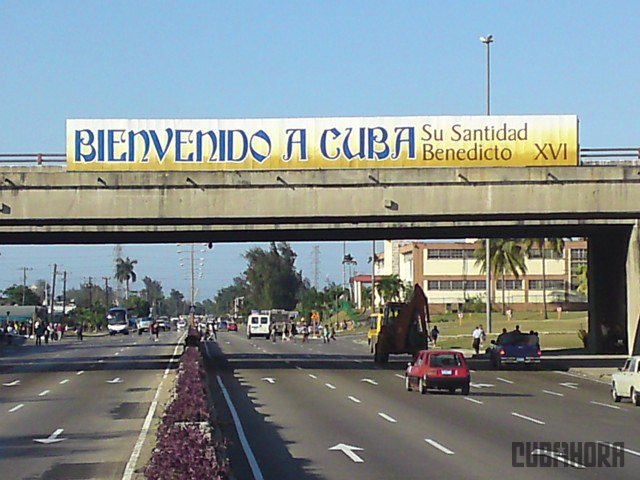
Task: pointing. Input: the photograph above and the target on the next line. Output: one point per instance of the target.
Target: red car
(442, 369)
(232, 327)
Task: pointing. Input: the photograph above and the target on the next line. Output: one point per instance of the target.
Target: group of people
(289, 333)
(479, 336)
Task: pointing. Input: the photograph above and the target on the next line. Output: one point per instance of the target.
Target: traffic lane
(311, 419)
(360, 397)
(101, 422)
(43, 371)
(479, 437)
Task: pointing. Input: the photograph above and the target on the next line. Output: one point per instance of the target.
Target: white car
(626, 381)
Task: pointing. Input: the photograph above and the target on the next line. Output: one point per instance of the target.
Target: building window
(550, 284)
(535, 253)
(456, 285)
(579, 254)
(510, 285)
(445, 253)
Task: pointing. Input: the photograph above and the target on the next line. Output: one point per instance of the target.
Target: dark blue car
(515, 348)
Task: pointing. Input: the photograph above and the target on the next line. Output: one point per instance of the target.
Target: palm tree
(555, 245)
(124, 272)
(506, 257)
(390, 288)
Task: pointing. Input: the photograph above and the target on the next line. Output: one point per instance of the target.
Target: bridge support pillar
(609, 256)
(633, 291)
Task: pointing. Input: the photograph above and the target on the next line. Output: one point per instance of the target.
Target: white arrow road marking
(503, 380)
(269, 379)
(312, 376)
(349, 451)
(16, 408)
(115, 380)
(482, 385)
(354, 399)
(549, 392)
(442, 448)
(80, 372)
(400, 376)
(62, 382)
(570, 385)
(524, 417)
(12, 384)
(606, 405)
(627, 450)
(328, 385)
(43, 393)
(387, 417)
(556, 456)
(368, 380)
(474, 400)
(53, 438)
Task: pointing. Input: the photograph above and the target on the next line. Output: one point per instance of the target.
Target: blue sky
(207, 59)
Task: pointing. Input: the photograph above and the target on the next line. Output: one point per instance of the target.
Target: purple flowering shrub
(184, 450)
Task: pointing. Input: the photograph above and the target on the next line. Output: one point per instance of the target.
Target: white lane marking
(503, 380)
(474, 400)
(129, 469)
(440, 447)
(253, 464)
(43, 393)
(581, 377)
(53, 438)
(481, 385)
(328, 385)
(358, 361)
(549, 392)
(605, 405)
(117, 353)
(12, 384)
(627, 450)
(115, 380)
(557, 456)
(80, 372)
(400, 376)
(312, 376)
(524, 417)
(570, 385)
(298, 367)
(16, 408)
(368, 380)
(271, 380)
(472, 371)
(228, 343)
(62, 382)
(101, 360)
(354, 399)
(349, 451)
(387, 417)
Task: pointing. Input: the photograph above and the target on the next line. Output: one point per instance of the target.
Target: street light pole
(487, 41)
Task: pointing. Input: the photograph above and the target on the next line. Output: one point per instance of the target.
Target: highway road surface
(74, 410)
(316, 411)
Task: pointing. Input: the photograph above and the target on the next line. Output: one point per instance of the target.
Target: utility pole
(373, 276)
(315, 265)
(53, 292)
(64, 297)
(488, 40)
(24, 282)
(90, 286)
(106, 292)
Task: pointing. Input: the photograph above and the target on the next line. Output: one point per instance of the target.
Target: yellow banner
(318, 143)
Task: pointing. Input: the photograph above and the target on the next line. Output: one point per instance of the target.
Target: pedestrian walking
(434, 335)
(294, 332)
(305, 333)
(80, 331)
(477, 338)
(333, 333)
(39, 333)
(46, 333)
(325, 334)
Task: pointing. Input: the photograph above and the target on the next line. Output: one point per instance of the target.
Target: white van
(258, 324)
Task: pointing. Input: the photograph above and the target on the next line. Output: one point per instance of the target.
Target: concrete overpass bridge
(48, 205)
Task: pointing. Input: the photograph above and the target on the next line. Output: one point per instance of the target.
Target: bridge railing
(32, 158)
(588, 156)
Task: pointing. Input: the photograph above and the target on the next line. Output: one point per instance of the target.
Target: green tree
(86, 296)
(223, 301)
(137, 306)
(271, 277)
(506, 257)
(152, 292)
(125, 272)
(555, 246)
(390, 288)
(15, 294)
(175, 303)
(583, 280)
